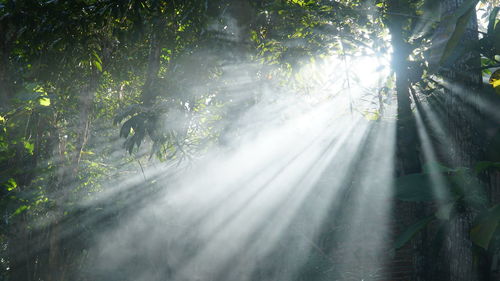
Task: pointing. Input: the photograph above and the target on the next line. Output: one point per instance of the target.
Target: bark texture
(462, 83)
(407, 145)
(149, 91)
(406, 140)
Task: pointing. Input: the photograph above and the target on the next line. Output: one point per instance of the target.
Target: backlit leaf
(98, 65)
(495, 78)
(44, 101)
(457, 34)
(20, 210)
(408, 234)
(485, 227)
(492, 20)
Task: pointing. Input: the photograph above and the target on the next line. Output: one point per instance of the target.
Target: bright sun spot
(352, 81)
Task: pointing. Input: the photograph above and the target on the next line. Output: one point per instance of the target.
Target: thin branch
(142, 170)
(347, 75)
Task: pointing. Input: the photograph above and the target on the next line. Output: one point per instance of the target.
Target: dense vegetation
(102, 93)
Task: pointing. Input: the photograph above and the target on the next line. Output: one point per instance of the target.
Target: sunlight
(236, 206)
(473, 101)
(239, 140)
(367, 236)
(352, 80)
(430, 160)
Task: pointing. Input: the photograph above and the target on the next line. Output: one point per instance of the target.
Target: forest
(250, 140)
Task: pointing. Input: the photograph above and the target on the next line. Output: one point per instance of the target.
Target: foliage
(158, 77)
(462, 190)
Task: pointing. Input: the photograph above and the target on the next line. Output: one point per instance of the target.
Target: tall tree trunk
(461, 97)
(465, 82)
(149, 90)
(407, 144)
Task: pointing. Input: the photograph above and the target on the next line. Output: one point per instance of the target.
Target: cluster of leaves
(76, 73)
(454, 191)
(72, 71)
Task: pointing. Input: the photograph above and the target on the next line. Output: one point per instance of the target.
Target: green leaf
(414, 188)
(44, 101)
(11, 184)
(467, 186)
(20, 210)
(492, 20)
(125, 129)
(485, 226)
(408, 234)
(448, 35)
(98, 65)
(458, 32)
(96, 56)
(436, 167)
(128, 111)
(485, 165)
(30, 147)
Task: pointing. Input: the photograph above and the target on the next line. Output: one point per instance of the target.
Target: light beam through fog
(239, 140)
(258, 207)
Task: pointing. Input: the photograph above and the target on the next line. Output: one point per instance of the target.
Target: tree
(162, 78)
(455, 57)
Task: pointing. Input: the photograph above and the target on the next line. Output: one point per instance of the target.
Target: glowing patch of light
(221, 218)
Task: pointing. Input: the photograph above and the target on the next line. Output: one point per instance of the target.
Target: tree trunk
(407, 145)
(149, 90)
(462, 95)
(463, 83)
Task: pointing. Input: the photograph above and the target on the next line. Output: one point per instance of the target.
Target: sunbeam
(289, 174)
(238, 140)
